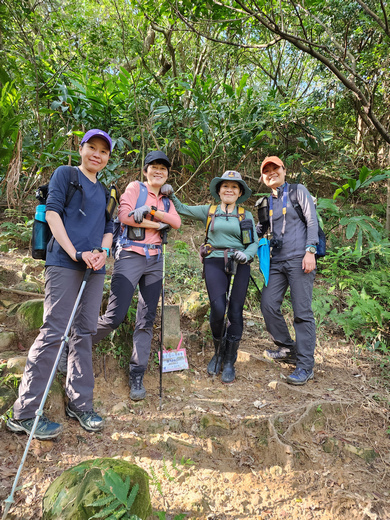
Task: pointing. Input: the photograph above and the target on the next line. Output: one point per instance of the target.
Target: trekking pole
(225, 317)
(164, 241)
(10, 500)
(257, 287)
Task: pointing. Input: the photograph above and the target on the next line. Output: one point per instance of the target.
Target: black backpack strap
(292, 193)
(74, 186)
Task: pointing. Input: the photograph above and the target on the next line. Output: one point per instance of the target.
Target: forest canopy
(216, 84)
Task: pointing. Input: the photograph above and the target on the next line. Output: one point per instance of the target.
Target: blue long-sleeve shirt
(85, 229)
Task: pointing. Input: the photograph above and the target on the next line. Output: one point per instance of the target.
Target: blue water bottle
(41, 233)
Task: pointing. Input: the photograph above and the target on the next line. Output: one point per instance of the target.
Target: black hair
(158, 161)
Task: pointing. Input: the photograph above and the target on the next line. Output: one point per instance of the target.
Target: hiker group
(82, 235)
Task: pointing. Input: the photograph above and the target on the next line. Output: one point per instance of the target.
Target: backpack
(321, 246)
(206, 248)
(41, 234)
(211, 216)
(120, 229)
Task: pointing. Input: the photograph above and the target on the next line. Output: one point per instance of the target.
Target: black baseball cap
(157, 155)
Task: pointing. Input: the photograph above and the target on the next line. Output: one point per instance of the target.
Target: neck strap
(271, 210)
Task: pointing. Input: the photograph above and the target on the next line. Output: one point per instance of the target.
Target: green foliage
(17, 231)
(183, 268)
(354, 298)
(162, 515)
(369, 240)
(183, 462)
(366, 317)
(155, 480)
(169, 477)
(10, 380)
(118, 499)
(9, 122)
(366, 177)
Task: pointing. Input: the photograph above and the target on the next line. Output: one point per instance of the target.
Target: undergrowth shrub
(354, 295)
(183, 269)
(16, 231)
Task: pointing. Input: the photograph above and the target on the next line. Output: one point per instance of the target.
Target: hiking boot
(229, 372)
(44, 431)
(137, 389)
(219, 347)
(282, 354)
(300, 376)
(90, 421)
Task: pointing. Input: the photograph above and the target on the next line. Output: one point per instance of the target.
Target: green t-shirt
(227, 231)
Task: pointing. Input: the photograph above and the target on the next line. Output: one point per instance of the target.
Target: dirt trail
(256, 449)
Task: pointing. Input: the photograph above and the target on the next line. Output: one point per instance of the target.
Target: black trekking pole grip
(86, 275)
(164, 236)
(234, 267)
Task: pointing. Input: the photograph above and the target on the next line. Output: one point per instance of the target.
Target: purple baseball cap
(95, 132)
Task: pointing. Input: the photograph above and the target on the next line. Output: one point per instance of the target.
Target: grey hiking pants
(282, 275)
(130, 270)
(61, 289)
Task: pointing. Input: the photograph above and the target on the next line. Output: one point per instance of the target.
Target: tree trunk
(388, 205)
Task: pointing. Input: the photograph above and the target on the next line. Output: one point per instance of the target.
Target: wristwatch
(153, 210)
(79, 256)
(107, 250)
(311, 249)
(97, 250)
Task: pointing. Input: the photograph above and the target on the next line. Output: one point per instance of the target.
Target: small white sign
(174, 360)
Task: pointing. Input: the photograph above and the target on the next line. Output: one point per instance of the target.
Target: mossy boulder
(195, 306)
(70, 495)
(55, 402)
(7, 397)
(7, 339)
(30, 314)
(29, 286)
(16, 365)
(214, 426)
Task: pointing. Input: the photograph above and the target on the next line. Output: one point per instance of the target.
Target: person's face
(273, 175)
(229, 192)
(156, 174)
(94, 154)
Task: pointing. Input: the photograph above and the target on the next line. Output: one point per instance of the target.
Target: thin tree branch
(375, 17)
(226, 42)
(309, 49)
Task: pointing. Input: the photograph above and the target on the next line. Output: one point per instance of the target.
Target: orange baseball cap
(271, 159)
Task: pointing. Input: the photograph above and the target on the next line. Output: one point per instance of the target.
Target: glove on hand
(240, 257)
(140, 213)
(259, 230)
(166, 190)
(164, 226)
